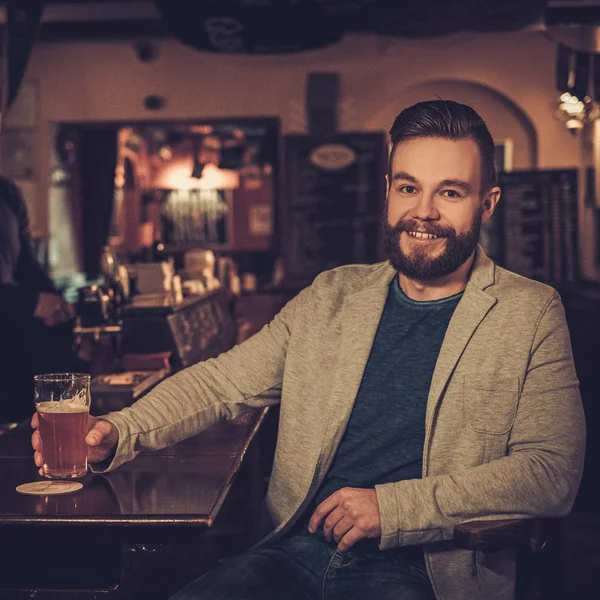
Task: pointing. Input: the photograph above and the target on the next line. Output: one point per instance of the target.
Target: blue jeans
(302, 566)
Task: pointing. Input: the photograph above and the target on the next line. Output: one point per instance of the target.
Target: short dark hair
(448, 120)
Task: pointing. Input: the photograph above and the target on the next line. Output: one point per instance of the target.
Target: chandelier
(575, 113)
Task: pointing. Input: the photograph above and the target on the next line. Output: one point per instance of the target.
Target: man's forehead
(442, 158)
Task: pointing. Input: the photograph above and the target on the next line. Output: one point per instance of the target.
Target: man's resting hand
(348, 515)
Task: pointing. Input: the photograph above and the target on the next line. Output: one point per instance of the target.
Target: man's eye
(407, 189)
(451, 194)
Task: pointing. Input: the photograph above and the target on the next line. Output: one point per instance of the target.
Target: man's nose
(426, 209)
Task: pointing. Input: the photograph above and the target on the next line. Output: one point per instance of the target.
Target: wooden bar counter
(135, 524)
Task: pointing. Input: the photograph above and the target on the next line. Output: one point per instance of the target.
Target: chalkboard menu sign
(334, 195)
(539, 224)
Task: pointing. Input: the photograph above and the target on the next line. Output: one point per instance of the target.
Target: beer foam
(61, 406)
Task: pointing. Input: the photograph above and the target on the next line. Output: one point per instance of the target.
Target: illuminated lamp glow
(177, 176)
(575, 113)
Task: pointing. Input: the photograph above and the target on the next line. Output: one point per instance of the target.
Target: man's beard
(418, 265)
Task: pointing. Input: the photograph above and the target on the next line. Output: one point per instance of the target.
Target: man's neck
(437, 289)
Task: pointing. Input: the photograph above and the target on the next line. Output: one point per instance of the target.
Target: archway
(505, 119)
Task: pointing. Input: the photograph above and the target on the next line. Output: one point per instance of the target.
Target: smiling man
(440, 191)
(416, 394)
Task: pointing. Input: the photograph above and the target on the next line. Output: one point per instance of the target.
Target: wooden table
(161, 498)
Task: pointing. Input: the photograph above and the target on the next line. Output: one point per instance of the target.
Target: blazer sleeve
(249, 375)
(541, 473)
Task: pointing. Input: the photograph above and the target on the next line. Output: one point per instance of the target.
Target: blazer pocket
(491, 409)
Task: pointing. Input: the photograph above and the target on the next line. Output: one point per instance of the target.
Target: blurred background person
(36, 323)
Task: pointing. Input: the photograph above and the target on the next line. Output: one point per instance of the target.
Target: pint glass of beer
(62, 401)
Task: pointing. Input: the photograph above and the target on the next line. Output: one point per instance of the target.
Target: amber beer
(63, 404)
(63, 431)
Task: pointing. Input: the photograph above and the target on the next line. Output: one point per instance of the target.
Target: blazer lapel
(361, 313)
(471, 310)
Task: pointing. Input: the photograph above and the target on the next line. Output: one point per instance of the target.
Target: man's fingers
(353, 536)
(98, 433)
(101, 440)
(334, 517)
(341, 529)
(322, 511)
(36, 441)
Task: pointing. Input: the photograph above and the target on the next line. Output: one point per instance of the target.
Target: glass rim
(60, 377)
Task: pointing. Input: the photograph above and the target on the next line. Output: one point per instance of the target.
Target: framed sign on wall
(333, 202)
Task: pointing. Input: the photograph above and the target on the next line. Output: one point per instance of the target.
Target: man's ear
(490, 201)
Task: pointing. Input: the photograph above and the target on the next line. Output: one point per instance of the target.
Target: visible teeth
(422, 235)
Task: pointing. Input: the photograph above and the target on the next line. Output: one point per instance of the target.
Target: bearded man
(416, 394)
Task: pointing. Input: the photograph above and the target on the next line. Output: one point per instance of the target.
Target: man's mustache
(423, 226)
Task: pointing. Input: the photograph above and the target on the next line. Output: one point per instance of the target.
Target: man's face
(434, 206)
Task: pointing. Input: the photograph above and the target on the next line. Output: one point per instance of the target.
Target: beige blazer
(505, 430)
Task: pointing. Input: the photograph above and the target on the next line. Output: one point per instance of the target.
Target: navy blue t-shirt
(385, 435)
